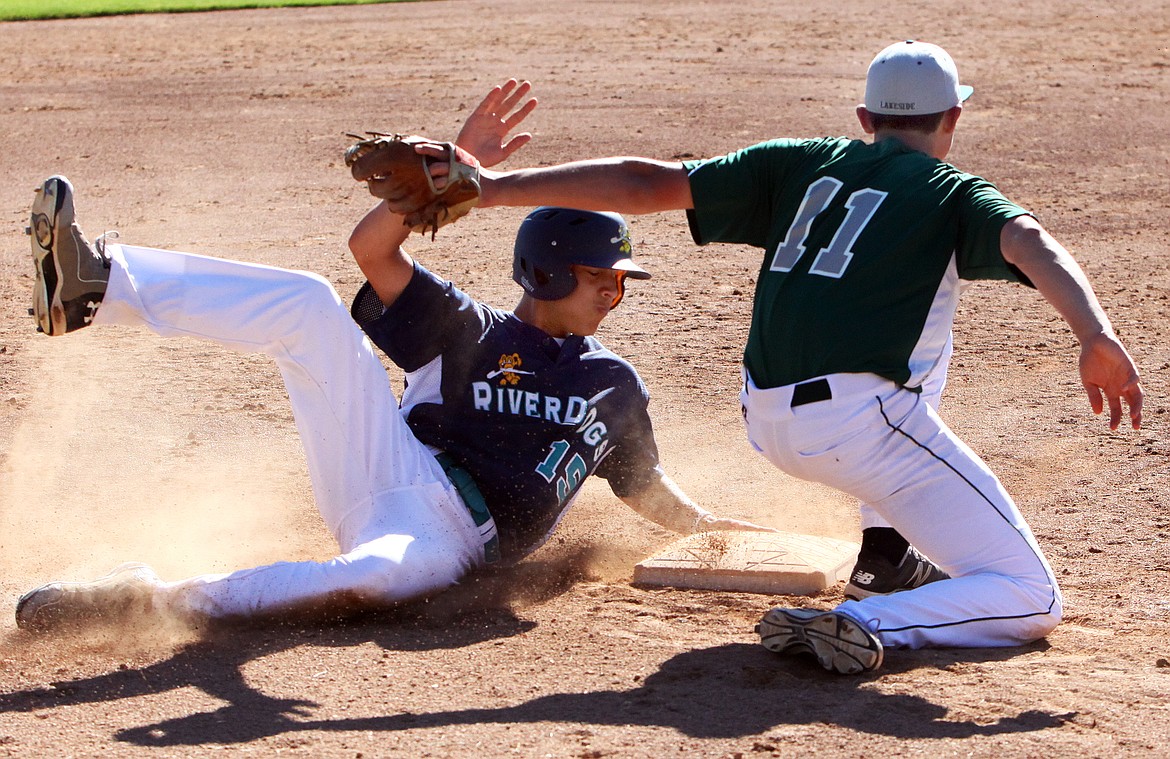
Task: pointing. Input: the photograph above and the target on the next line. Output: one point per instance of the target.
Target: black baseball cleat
(839, 642)
(72, 273)
(124, 593)
(873, 575)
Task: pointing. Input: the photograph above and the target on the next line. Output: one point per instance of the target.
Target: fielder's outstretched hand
(1109, 376)
(485, 133)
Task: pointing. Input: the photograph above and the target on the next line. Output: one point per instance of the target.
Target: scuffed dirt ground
(222, 134)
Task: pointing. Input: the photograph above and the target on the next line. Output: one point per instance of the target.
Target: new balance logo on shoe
(874, 575)
(863, 578)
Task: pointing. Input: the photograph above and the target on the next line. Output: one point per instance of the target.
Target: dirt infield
(222, 134)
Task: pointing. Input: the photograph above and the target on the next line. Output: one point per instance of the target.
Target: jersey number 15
(575, 469)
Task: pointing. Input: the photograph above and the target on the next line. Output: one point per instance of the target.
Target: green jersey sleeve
(737, 196)
(982, 213)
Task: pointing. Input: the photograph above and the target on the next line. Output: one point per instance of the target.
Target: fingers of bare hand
(1096, 400)
(521, 114)
(492, 102)
(514, 144)
(505, 88)
(1133, 397)
(514, 96)
(1114, 411)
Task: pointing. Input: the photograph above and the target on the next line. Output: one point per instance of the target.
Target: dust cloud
(115, 459)
(717, 467)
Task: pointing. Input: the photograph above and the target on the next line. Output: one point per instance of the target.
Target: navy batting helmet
(551, 239)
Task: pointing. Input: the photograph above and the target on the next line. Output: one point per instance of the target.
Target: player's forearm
(665, 504)
(1057, 276)
(376, 244)
(624, 185)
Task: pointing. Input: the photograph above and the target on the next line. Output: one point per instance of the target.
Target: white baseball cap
(912, 78)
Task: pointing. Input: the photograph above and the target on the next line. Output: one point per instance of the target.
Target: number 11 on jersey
(833, 260)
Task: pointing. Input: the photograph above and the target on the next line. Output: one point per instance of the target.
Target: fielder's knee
(1048, 622)
(1039, 625)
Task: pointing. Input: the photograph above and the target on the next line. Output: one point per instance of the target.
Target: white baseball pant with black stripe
(886, 446)
(930, 392)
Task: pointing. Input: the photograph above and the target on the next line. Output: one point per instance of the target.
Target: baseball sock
(885, 542)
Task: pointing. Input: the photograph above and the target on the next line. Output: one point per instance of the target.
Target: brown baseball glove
(397, 173)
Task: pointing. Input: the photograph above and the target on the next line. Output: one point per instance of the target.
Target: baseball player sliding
(866, 249)
(504, 415)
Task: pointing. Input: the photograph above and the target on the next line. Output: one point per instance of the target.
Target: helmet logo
(624, 239)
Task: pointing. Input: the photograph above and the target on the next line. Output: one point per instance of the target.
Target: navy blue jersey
(527, 417)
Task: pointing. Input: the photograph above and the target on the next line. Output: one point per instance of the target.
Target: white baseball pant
(931, 393)
(402, 528)
(886, 446)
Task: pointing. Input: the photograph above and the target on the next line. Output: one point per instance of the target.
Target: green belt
(473, 500)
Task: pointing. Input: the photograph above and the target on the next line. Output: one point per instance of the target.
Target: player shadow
(476, 611)
(726, 691)
(214, 663)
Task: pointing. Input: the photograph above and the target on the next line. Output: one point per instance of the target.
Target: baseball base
(781, 563)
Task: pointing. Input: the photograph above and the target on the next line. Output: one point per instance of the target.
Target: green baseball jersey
(866, 248)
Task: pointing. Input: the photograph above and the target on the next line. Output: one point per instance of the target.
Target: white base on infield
(783, 563)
